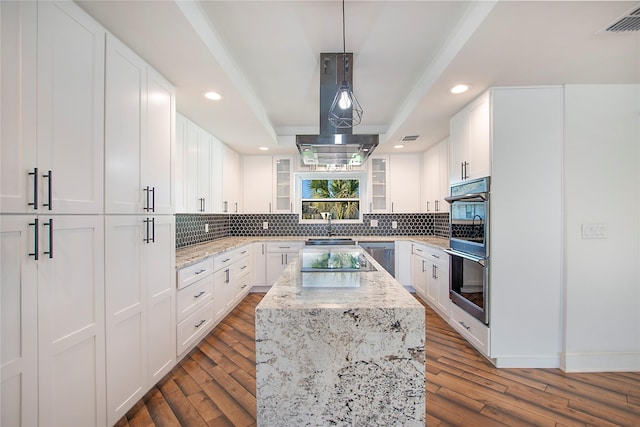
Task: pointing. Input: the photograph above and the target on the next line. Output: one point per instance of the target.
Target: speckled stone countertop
(344, 356)
(191, 254)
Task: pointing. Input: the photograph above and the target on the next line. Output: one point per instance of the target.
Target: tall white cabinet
(52, 264)
(436, 178)
(140, 244)
(266, 186)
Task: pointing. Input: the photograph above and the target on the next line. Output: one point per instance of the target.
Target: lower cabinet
(140, 307)
(430, 277)
(53, 342)
(279, 255)
(474, 331)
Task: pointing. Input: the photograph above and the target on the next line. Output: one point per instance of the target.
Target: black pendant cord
(344, 47)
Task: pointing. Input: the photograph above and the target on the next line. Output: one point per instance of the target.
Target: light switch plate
(595, 231)
(374, 222)
(206, 228)
(394, 224)
(265, 225)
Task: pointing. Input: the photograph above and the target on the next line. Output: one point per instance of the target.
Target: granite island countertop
(338, 355)
(189, 255)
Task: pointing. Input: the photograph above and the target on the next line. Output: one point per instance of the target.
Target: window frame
(360, 176)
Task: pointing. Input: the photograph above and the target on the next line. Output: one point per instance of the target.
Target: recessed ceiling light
(263, 148)
(398, 146)
(214, 96)
(460, 88)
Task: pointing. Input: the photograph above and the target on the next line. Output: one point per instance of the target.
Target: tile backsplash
(190, 228)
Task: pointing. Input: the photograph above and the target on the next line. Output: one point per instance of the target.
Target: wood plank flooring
(214, 385)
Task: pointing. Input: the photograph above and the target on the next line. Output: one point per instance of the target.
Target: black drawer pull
(200, 294)
(200, 323)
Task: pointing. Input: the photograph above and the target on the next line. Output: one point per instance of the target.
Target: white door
(159, 276)
(18, 31)
(70, 108)
(71, 321)
(126, 314)
(158, 148)
(125, 95)
(19, 317)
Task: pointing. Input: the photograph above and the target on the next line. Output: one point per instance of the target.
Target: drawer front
(223, 260)
(284, 246)
(474, 331)
(195, 272)
(192, 297)
(242, 253)
(194, 327)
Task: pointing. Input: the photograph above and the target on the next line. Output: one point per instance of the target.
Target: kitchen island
(339, 347)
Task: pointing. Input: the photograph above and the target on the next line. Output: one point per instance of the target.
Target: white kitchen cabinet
(430, 277)
(403, 262)
(267, 184)
(394, 182)
(53, 364)
(279, 255)
(195, 308)
(470, 141)
(139, 129)
(232, 279)
(230, 181)
(259, 264)
(140, 306)
(198, 179)
(52, 138)
(436, 178)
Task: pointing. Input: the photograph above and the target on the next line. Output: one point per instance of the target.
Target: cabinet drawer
(284, 246)
(242, 253)
(190, 298)
(223, 260)
(194, 327)
(474, 331)
(195, 272)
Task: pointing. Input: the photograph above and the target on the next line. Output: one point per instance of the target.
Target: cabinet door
(432, 283)
(159, 276)
(259, 265)
(404, 183)
(18, 31)
(431, 178)
(443, 179)
(70, 108)
(479, 144)
(71, 322)
(158, 148)
(230, 181)
(458, 141)
(180, 164)
(282, 167)
(379, 175)
(419, 274)
(222, 291)
(126, 314)
(275, 266)
(125, 100)
(442, 278)
(257, 184)
(18, 318)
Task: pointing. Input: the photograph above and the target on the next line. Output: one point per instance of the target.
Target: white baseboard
(600, 362)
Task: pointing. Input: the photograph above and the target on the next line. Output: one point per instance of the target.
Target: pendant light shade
(345, 110)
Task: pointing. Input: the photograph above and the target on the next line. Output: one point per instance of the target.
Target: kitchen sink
(330, 241)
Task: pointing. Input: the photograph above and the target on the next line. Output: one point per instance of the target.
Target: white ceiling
(263, 57)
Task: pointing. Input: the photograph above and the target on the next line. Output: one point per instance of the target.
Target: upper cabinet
(436, 178)
(470, 141)
(139, 129)
(394, 182)
(52, 139)
(207, 171)
(267, 184)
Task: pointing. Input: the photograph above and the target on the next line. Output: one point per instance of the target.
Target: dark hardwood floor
(214, 385)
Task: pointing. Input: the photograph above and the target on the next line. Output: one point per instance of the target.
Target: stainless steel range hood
(334, 146)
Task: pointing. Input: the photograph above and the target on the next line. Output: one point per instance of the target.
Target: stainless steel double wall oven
(469, 241)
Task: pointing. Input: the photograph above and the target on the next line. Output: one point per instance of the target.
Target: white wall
(526, 227)
(602, 186)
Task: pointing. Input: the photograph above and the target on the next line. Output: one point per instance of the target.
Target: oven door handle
(477, 197)
(482, 261)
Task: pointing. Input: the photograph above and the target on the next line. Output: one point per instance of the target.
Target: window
(338, 196)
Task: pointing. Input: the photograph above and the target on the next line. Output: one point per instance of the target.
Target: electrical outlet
(265, 225)
(374, 222)
(394, 224)
(206, 228)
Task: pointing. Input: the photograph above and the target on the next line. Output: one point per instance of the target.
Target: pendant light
(345, 111)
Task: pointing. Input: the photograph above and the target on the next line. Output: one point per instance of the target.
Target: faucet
(328, 215)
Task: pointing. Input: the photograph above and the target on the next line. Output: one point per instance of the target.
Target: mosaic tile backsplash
(190, 227)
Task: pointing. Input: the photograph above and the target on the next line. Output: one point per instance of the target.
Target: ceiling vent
(628, 22)
(409, 138)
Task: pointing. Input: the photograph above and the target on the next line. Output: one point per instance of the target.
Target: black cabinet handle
(153, 230)
(35, 190)
(227, 276)
(200, 323)
(151, 204)
(151, 237)
(36, 239)
(153, 199)
(236, 207)
(199, 295)
(50, 225)
(49, 177)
